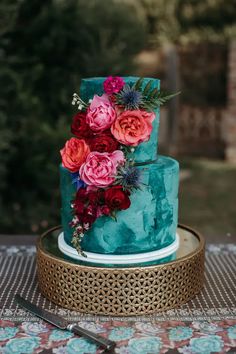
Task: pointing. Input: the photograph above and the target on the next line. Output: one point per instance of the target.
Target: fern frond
(147, 88)
(157, 100)
(138, 84)
(153, 93)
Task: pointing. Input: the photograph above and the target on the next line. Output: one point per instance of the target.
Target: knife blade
(63, 324)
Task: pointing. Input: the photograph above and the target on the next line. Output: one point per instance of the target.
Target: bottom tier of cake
(149, 224)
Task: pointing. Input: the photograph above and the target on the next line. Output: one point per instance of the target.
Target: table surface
(133, 336)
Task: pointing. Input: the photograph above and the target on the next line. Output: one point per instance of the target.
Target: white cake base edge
(118, 259)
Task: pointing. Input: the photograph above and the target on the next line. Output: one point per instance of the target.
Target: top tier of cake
(145, 152)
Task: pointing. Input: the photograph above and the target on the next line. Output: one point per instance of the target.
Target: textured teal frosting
(146, 151)
(151, 221)
(149, 224)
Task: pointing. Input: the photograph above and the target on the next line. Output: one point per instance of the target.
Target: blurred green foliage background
(45, 49)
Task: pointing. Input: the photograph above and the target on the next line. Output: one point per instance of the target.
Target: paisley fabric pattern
(180, 333)
(58, 335)
(7, 332)
(131, 337)
(232, 332)
(206, 345)
(21, 345)
(121, 333)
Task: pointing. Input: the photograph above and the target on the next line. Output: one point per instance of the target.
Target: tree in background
(190, 21)
(47, 46)
(200, 31)
(45, 50)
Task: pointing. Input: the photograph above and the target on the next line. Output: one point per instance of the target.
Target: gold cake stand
(121, 291)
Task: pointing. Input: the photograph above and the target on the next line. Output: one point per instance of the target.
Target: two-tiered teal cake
(119, 197)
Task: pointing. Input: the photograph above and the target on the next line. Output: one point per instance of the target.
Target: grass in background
(207, 198)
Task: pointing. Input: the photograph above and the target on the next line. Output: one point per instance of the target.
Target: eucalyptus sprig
(76, 242)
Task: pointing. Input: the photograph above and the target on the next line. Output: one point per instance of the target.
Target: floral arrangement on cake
(106, 130)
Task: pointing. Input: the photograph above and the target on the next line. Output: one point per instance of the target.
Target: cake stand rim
(190, 255)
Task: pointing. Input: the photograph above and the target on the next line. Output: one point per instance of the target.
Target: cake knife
(61, 323)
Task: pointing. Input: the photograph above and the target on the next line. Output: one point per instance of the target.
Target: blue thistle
(130, 98)
(129, 177)
(77, 181)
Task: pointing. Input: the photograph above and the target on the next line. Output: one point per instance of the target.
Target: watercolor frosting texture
(151, 221)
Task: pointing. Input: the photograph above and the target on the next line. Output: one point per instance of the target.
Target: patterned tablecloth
(205, 325)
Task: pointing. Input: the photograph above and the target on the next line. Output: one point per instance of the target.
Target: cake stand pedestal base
(122, 291)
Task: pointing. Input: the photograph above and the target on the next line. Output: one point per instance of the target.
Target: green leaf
(153, 93)
(147, 88)
(157, 101)
(167, 96)
(138, 84)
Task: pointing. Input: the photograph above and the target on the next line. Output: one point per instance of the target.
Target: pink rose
(101, 114)
(99, 169)
(133, 127)
(74, 154)
(113, 84)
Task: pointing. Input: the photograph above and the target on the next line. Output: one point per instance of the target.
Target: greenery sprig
(152, 98)
(76, 242)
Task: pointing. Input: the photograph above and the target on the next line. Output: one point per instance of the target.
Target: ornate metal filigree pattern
(121, 291)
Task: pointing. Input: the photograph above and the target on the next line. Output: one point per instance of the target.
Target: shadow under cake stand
(122, 291)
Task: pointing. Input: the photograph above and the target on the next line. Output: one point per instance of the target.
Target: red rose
(105, 210)
(79, 127)
(116, 198)
(103, 143)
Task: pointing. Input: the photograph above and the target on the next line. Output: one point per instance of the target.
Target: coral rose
(99, 169)
(116, 198)
(74, 154)
(103, 143)
(113, 84)
(79, 127)
(100, 114)
(133, 127)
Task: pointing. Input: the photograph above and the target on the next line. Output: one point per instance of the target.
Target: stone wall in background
(200, 131)
(202, 120)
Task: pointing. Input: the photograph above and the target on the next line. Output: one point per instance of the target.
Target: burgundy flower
(93, 197)
(81, 195)
(116, 198)
(80, 202)
(79, 127)
(79, 208)
(105, 210)
(89, 215)
(103, 143)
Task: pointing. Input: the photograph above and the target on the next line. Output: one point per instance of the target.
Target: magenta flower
(113, 84)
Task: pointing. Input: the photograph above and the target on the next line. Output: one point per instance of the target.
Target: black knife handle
(103, 342)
